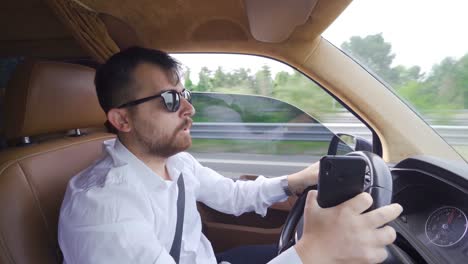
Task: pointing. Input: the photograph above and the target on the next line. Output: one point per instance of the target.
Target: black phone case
(340, 179)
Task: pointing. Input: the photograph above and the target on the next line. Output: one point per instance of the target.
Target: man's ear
(119, 119)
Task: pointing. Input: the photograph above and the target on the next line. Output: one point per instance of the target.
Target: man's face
(156, 130)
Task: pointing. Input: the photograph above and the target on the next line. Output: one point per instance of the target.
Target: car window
(7, 66)
(258, 116)
(418, 49)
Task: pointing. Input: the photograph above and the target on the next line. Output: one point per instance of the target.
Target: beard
(156, 141)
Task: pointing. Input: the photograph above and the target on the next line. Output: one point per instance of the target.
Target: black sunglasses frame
(174, 95)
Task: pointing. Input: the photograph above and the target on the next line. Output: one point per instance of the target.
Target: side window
(269, 119)
(7, 66)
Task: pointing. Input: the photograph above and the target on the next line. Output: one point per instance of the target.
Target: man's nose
(186, 108)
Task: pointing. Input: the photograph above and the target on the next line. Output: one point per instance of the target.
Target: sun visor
(274, 20)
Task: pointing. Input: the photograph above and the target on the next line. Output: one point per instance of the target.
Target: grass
(260, 146)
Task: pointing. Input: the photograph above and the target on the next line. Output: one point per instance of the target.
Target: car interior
(52, 126)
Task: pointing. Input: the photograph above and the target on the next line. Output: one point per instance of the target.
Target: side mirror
(342, 144)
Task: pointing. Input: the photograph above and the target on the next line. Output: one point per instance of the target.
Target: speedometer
(446, 226)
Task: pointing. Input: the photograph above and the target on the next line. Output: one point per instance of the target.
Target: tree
(461, 79)
(204, 80)
(241, 77)
(220, 78)
(448, 81)
(406, 75)
(376, 54)
(263, 81)
(188, 84)
(281, 78)
(444, 89)
(300, 91)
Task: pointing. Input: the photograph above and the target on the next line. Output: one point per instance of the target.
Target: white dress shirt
(120, 211)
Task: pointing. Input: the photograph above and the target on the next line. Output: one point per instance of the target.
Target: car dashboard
(434, 194)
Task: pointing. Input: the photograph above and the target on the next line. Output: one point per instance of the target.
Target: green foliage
(300, 91)
(373, 52)
(205, 82)
(244, 108)
(403, 75)
(295, 89)
(220, 78)
(444, 90)
(462, 79)
(437, 94)
(263, 81)
(187, 81)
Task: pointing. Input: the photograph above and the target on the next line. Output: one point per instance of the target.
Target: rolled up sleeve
(236, 197)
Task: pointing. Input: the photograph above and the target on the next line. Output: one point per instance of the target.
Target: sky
(421, 33)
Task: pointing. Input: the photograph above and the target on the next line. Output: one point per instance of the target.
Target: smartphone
(340, 179)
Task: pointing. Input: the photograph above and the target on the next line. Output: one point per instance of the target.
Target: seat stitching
(9, 163)
(36, 198)
(5, 247)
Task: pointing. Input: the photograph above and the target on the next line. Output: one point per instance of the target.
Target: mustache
(187, 122)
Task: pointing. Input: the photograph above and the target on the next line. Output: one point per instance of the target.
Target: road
(235, 164)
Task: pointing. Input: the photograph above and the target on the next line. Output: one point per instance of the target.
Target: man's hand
(298, 181)
(342, 234)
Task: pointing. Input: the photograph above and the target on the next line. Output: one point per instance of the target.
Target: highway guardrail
(454, 135)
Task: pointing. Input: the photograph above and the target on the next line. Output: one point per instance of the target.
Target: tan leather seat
(44, 98)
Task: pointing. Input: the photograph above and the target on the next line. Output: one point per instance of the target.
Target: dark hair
(114, 78)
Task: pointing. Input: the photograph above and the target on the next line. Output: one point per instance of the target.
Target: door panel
(246, 229)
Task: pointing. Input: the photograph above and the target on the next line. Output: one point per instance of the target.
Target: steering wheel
(378, 183)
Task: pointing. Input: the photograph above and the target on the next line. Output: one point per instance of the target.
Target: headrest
(45, 97)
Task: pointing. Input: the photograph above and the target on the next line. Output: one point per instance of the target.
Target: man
(123, 209)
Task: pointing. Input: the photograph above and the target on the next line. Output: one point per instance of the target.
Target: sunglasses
(171, 99)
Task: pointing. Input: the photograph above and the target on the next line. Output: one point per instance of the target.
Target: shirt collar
(124, 157)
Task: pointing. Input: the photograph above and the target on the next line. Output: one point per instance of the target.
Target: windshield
(419, 49)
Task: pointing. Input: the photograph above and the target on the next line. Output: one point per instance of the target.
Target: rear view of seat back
(44, 98)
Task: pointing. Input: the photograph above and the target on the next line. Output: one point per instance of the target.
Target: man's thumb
(311, 200)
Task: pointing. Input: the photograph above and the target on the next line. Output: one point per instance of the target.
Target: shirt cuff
(289, 256)
(274, 190)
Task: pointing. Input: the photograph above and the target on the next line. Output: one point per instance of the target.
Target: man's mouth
(187, 125)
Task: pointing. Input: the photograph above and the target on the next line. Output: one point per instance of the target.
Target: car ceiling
(31, 29)
(173, 26)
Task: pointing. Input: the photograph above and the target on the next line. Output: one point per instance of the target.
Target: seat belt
(175, 248)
